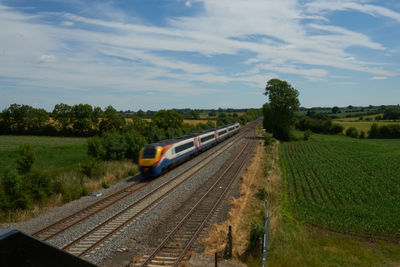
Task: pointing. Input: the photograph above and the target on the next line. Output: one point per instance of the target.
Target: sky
(199, 54)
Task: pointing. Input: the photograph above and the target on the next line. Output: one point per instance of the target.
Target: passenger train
(154, 159)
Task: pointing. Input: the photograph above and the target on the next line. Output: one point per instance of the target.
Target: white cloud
(335, 5)
(47, 59)
(276, 36)
(67, 23)
(378, 78)
(188, 4)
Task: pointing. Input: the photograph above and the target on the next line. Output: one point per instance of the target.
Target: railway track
(70, 221)
(115, 225)
(172, 250)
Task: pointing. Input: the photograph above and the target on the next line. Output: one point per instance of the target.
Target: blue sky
(151, 55)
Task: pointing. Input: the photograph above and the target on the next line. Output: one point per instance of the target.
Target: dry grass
(114, 171)
(252, 180)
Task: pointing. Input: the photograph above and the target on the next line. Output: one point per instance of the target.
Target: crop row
(346, 185)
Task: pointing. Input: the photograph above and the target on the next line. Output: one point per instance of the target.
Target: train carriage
(159, 157)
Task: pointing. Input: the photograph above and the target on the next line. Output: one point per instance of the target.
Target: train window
(183, 147)
(222, 132)
(231, 129)
(206, 138)
(149, 152)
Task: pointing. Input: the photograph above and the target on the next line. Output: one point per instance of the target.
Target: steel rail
(193, 209)
(127, 221)
(68, 222)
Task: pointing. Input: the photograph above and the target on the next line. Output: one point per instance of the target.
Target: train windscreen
(149, 152)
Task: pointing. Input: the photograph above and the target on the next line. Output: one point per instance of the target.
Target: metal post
(228, 248)
(266, 239)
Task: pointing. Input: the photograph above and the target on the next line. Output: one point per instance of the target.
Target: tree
(62, 114)
(212, 114)
(112, 121)
(24, 119)
(335, 109)
(165, 119)
(279, 112)
(194, 114)
(24, 164)
(82, 118)
(140, 113)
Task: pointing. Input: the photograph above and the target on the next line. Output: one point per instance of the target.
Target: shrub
(92, 169)
(132, 172)
(268, 139)
(38, 184)
(104, 184)
(307, 135)
(134, 142)
(96, 148)
(352, 132)
(114, 145)
(319, 126)
(13, 195)
(24, 164)
(262, 194)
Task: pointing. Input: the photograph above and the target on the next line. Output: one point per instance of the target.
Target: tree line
(87, 120)
(281, 116)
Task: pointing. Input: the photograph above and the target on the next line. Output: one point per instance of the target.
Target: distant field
(51, 152)
(361, 125)
(346, 184)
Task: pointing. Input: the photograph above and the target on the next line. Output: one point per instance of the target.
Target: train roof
(174, 140)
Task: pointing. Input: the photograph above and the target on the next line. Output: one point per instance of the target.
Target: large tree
(112, 120)
(165, 119)
(279, 111)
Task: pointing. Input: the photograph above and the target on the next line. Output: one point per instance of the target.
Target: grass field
(361, 125)
(51, 152)
(345, 184)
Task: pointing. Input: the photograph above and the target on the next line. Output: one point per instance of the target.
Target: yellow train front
(150, 158)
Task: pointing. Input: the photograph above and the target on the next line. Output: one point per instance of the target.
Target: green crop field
(51, 152)
(345, 184)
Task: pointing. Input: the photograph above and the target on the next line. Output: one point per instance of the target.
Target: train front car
(150, 157)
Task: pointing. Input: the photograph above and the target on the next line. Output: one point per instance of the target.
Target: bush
(13, 195)
(352, 132)
(307, 135)
(256, 234)
(38, 184)
(132, 172)
(116, 146)
(96, 148)
(104, 184)
(262, 194)
(384, 131)
(24, 164)
(268, 139)
(92, 169)
(319, 126)
(134, 142)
